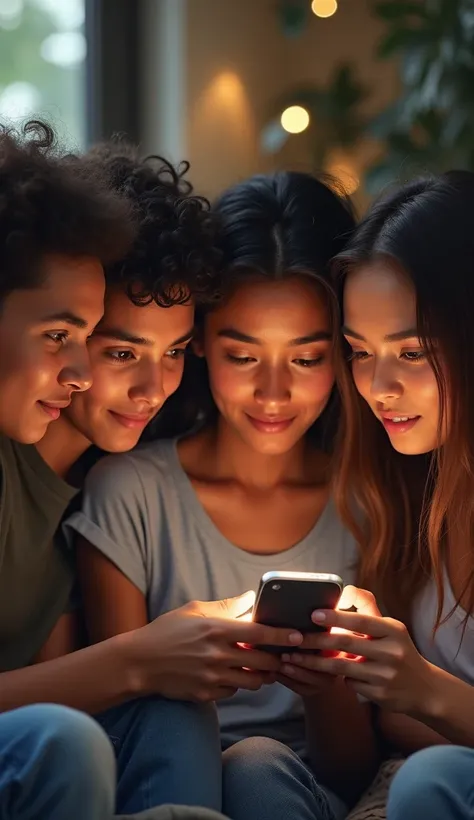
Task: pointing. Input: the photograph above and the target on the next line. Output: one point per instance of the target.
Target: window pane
(42, 64)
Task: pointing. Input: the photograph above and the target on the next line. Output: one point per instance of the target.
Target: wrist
(133, 663)
(430, 704)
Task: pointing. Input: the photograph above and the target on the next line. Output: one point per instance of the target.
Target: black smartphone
(287, 599)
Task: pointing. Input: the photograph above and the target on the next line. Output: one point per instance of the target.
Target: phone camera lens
(276, 587)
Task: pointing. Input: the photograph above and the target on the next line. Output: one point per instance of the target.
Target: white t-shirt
(447, 649)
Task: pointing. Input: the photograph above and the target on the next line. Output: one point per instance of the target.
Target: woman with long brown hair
(406, 487)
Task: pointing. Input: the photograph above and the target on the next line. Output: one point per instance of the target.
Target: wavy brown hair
(408, 511)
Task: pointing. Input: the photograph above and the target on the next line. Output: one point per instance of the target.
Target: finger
(260, 635)
(345, 642)
(244, 679)
(374, 673)
(372, 625)
(299, 688)
(253, 659)
(363, 600)
(234, 607)
(223, 692)
(314, 679)
(368, 691)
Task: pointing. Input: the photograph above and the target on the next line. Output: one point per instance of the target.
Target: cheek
(106, 385)
(423, 388)
(227, 383)
(25, 362)
(315, 388)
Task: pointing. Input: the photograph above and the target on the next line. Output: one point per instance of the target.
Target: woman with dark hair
(407, 461)
(201, 518)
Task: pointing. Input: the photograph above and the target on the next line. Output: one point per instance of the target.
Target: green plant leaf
(395, 10)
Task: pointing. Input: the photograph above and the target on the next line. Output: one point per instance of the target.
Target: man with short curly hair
(138, 349)
(136, 360)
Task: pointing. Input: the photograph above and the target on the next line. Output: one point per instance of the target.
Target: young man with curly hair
(57, 230)
(136, 361)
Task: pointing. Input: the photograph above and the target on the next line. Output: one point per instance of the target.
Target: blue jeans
(169, 752)
(436, 783)
(56, 764)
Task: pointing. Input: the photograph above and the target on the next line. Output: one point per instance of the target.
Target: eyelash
(361, 356)
(176, 353)
(117, 355)
(61, 336)
(305, 363)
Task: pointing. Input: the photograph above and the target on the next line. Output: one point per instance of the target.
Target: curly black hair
(50, 205)
(175, 254)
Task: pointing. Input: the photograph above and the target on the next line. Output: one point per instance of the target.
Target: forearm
(448, 707)
(405, 734)
(342, 742)
(91, 679)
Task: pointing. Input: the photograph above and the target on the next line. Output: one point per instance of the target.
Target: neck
(62, 445)
(235, 459)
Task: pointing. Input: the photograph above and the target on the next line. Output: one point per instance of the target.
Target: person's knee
(187, 724)
(426, 775)
(71, 742)
(255, 758)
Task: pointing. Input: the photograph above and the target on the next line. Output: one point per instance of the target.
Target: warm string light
(295, 119)
(324, 8)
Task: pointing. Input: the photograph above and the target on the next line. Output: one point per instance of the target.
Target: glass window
(43, 65)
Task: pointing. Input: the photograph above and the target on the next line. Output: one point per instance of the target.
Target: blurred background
(371, 92)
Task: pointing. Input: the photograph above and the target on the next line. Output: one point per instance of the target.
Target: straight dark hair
(416, 508)
(270, 227)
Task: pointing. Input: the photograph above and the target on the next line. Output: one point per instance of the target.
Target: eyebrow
(119, 335)
(400, 336)
(66, 316)
(237, 336)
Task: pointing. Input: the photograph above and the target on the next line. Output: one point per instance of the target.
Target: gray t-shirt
(141, 511)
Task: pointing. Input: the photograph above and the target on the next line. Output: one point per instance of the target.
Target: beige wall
(234, 68)
(239, 62)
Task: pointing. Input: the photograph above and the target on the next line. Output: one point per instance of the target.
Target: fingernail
(288, 670)
(318, 617)
(286, 658)
(296, 637)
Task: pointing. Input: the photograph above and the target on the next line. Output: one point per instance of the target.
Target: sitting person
(56, 232)
(408, 291)
(202, 517)
(59, 224)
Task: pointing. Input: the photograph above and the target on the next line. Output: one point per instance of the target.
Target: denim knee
(263, 778)
(72, 742)
(437, 782)
(55, 762)
(168, 751)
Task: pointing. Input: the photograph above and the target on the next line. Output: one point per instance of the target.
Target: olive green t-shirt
(35, 575)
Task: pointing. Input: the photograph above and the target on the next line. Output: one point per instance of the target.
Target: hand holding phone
(287, 599)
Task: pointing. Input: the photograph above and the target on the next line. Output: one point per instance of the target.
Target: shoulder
(131, 472)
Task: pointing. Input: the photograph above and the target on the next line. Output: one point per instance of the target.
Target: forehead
(68, 285)
(380, 298)
(292, 305)
(150, 321)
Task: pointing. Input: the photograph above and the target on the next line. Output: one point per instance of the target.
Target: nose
(386, 384)
(273, 387)
(149, 387)
(76, 373)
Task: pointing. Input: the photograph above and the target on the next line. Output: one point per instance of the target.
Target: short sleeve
(113, 518)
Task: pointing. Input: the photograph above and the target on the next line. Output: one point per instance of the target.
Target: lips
(131, 421)
(270, 424)
(396, 423)
(53, 408)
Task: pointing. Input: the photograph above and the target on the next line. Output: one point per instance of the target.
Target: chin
(32, 435)
(407, 448)
(270, 445)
